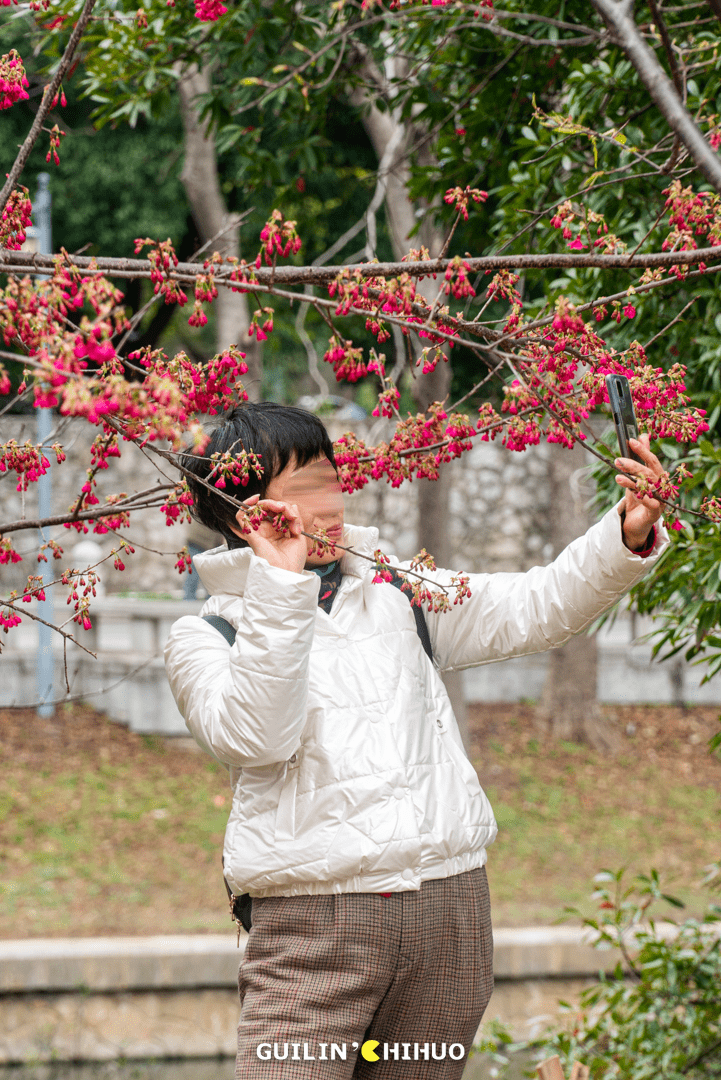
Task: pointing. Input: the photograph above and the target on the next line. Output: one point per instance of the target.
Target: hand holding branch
(284, 548)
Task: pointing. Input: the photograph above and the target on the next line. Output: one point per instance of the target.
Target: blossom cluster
(205, 292)
(209, 10)
(78, 371)
(691, 214)
(261, 323)
(395, 297)
(28, 462)
(564, 218)
(346, 359)
(457, 283)
(8, 554)
(55, 136)
(15, 219)
(81, 588)
(235, 466)
(163, 260)
(176, 388)
(13, 81)
(277, 237)
(418, 447)
(177, 505)
(461, 197)
(436, 599)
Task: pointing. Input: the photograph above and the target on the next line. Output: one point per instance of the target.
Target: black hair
(277, 434)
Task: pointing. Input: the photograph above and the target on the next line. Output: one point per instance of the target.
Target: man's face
(316, 491)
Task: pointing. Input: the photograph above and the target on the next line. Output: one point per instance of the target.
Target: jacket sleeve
(246, 705)
(516, 614)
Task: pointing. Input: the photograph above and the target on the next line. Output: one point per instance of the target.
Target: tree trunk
(569, 708)
(214, 223)
(390, 138)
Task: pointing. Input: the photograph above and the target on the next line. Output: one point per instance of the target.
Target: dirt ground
(106, 832)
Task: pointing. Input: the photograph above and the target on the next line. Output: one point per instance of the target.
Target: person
(358, 825)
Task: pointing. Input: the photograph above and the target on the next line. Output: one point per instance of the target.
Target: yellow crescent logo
(368, 1050)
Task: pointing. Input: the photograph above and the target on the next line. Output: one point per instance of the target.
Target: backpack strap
(228, 631)
(421, 624)
(222, 626)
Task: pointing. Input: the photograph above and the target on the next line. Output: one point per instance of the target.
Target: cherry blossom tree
(540, 317)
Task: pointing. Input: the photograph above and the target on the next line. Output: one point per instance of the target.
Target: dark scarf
(330, 578)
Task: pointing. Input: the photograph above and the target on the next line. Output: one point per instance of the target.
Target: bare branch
(309, 347)
(668, 47)
(58, 629)
(660, 88)
(86, 693)
(715, 6)
(673, 322)
(46, 103)
(17, 262)
(142, 501)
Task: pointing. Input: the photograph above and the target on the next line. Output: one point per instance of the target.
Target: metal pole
(46, 663)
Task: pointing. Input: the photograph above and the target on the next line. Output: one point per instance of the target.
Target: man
(358, 825)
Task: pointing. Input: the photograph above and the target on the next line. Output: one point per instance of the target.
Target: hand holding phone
(624, 417)
(639, 513)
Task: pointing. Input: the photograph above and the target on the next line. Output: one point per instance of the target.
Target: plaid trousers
(412, 971)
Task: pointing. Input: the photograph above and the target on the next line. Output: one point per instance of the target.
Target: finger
(296, 525)
(290, 510)
(628, 465)
(290, 514)
(632, 467)
(642, 447)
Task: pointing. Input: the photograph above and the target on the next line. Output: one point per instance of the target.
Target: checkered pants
(411, 968)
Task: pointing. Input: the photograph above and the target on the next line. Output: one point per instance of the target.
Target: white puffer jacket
(348, 770)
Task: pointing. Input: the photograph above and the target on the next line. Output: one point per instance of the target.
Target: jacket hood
(223, 570)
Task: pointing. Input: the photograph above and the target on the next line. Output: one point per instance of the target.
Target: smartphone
(624, 417)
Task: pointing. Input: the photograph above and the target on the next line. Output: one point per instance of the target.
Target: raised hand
(641, 514)
(287, 548)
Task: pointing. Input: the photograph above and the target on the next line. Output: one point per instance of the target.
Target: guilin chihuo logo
(371, 1050)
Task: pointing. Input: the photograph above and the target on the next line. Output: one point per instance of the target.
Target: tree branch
(17, 262)
(149, 499)
(668, 46)
(660, 88)
(46, 103)
(715, 6)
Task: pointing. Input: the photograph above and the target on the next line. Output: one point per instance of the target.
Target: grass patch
(565, 812)
(103, 831)
(106, 832)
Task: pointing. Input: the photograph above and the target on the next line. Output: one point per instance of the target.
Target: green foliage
(658, 1015)
(111, 185)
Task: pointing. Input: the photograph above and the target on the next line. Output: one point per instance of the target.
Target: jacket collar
(224, 571)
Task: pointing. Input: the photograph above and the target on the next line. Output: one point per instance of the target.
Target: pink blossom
(629, 311)
(13, 81)
(209, 10)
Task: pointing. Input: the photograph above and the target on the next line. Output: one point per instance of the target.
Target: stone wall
(100, 999)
